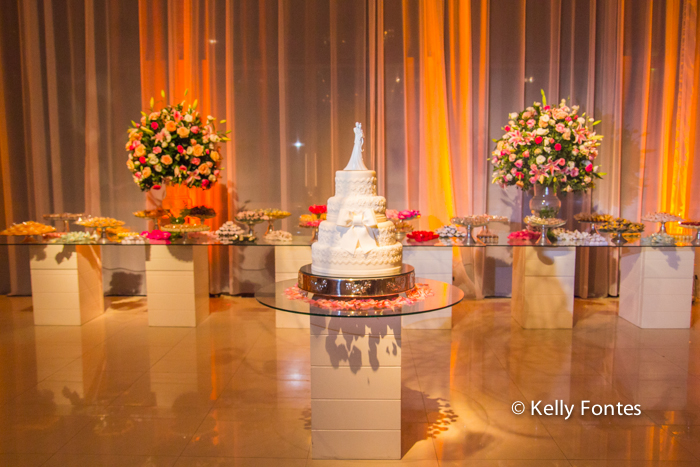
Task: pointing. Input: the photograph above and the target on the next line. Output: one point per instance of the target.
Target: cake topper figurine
(356, 162)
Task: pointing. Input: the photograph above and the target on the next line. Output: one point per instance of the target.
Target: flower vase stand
(66, 284)
(177, 281)
(543, 287)
(656, 286)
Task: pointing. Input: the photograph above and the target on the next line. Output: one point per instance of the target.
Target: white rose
(572, 164)
(190, 150)
(538, 151)
(581, 120)
(213, 138)
(509, 177)
(513, 115)
(152, 159)
(544, 118)
(540, 160)
(547, 149)
(159, 168)
(542, 131)
(188, 118)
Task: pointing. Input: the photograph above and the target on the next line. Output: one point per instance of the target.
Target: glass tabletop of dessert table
(500, 241)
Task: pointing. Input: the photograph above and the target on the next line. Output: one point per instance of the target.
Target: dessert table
(356, 370)
(656, 281)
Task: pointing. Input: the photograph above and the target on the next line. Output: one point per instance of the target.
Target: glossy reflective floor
(235, 391)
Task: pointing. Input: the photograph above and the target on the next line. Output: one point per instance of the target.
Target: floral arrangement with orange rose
(174, 145)
(548, 145)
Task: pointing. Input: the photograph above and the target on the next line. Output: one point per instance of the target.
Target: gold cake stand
(357, 286)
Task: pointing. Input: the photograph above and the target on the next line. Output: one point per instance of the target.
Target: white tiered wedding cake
(356, 239)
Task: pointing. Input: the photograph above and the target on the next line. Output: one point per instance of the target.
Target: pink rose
(519, 164)
(180, 149)
(560, 127)
(561, 162)
(538, 140)
(507, 128)
(194, 129)
(530, 123)
(557, 147)
(589, 168)
(142, 160)
(196, 161)
(157, 150)
(154, 125)
(526, 154)
(205, 183)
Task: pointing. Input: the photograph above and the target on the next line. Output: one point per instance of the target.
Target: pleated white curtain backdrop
(431, 80)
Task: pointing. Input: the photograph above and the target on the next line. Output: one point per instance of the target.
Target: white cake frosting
(356, 239)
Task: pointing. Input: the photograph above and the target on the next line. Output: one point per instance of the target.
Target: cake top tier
(356, 162)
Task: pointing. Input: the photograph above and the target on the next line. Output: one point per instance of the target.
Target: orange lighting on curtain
(680, 108)
(172, 60)
(436, 194)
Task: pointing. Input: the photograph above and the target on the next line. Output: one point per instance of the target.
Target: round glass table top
(441, 295)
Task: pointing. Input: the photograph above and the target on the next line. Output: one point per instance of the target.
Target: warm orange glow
(435, 158)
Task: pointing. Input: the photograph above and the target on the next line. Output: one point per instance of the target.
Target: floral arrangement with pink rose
(174, 145)
(550, 145)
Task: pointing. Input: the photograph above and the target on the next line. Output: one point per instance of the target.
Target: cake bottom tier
(337, 262)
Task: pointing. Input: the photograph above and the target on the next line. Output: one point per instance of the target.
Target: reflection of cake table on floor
(356, 366)
(356, 290)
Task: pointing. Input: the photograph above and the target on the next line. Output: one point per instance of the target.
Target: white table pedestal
(288, 261)
(177, 284)
(355, 388)
(543, 287)
(430, 263)
(66, 284)
(656, 286)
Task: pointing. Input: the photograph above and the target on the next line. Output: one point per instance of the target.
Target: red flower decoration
(557, 147)
(318, 209)
(422, 235)
(180, 149)
(538, 140)
(154, 125)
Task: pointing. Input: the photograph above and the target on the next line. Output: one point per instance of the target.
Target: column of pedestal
(430, 263)
(656, 286)
(66, 283)
(356, 388)
(288, 260)
(177, 281)
(543, 287)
